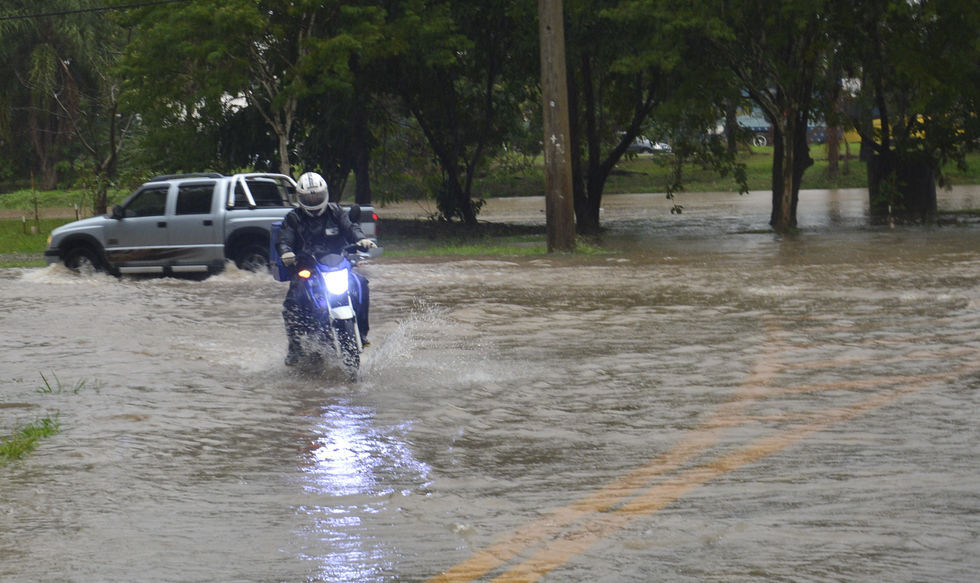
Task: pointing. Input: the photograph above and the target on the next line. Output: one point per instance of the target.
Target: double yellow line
(560, 535)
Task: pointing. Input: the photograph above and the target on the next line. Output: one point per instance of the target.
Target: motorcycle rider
(316, 228)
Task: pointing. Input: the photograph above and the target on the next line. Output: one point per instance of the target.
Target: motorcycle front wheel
(350, 354)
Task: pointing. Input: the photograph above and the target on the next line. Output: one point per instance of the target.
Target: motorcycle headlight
(336, 281)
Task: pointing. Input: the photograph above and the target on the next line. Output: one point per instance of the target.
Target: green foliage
(918, 94)
(25, 235)
(439, 98)
(58, 98)
(453, 71)
(25, 439)
(59, 388)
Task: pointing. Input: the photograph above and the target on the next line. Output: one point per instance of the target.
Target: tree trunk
(791, 158)
(901, 188)
(283, 139)
(361, 146)
(43, 146)
(360, 136)
(586, 202)
(783, 215)
(48, 174)
(459, 203)
(833, 152)
(579, 197)
(731, 126)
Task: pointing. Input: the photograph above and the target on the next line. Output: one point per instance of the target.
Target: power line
(85, 10)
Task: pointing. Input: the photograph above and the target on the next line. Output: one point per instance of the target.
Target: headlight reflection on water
(353, 470)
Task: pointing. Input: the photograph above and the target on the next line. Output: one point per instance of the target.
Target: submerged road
(709, 402)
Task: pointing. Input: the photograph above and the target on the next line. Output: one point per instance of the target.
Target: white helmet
(311, 190)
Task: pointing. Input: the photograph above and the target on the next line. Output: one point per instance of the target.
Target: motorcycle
(331, 289)
(330, 286)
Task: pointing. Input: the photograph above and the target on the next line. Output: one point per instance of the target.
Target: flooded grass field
(706, 402)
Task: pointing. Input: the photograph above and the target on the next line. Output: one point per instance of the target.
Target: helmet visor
(312, 198)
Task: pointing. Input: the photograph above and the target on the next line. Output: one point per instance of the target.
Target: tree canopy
(381, 91)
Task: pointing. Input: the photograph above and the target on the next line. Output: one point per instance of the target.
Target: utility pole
(559, 206)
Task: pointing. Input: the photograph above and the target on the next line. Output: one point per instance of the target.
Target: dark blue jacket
(316, 236)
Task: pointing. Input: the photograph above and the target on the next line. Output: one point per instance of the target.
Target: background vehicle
(644, 145)
(758, 131)
(187, 223)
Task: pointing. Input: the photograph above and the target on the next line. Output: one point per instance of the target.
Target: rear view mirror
(354, 213)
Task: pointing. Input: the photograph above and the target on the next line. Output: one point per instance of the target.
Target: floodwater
(709, 402)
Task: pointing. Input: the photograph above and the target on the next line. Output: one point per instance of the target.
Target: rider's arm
(287, 234)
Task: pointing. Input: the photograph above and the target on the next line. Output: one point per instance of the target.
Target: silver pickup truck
(184, 223)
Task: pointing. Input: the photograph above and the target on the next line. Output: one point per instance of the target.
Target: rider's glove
(366, 244)
(288, 258)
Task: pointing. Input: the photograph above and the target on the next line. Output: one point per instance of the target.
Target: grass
(22, 243)
(26, 199)
(416, 237)
(58, 387)
(25, 439)
(463, 250)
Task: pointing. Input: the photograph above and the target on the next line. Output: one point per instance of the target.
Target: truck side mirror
(117, 212)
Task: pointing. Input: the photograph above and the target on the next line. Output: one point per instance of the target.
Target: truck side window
(194, 199)
(151, 202)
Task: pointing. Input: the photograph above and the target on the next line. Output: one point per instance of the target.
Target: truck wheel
(253, 257)
(760, 140)
(83, 260)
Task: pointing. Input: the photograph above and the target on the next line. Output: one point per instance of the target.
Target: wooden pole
(559, 206)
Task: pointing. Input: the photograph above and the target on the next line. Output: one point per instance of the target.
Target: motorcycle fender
(342, 313)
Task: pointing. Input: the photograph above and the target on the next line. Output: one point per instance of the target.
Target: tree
(196, 62)
(46, 60)
(296, 65)
(916, 106)
(779, 53)
(453, 68)
(614, 85)
(61, 95)
(101, 130)
(342, 72)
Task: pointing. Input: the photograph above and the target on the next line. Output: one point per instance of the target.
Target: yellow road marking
(559, 551)
(610, 508)
(530, 535)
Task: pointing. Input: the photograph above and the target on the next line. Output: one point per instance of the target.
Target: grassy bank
(416, 238)
(22, 243)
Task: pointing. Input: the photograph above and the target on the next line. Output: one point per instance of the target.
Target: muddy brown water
(709, 402)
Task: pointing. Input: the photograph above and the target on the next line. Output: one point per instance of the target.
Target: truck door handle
(208, 222)
(162, 224)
